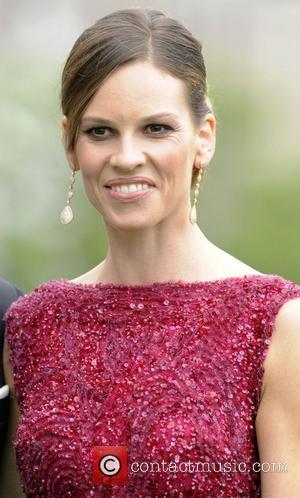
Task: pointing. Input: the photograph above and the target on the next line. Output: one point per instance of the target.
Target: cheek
(89, 159)
(176, 163)
(90, 167)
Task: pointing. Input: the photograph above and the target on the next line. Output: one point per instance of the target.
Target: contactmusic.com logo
(110, 464)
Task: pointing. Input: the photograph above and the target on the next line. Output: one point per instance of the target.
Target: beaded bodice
(171, 370)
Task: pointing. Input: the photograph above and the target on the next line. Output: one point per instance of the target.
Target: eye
(158, 129)
(97, 132)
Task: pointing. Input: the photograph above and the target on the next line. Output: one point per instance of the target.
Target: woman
(162, 347)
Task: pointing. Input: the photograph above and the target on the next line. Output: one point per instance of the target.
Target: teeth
(133, 187)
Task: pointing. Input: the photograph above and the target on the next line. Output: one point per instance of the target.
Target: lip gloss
(123, 196)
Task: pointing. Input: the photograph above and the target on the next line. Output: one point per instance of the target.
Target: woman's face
(139, 125)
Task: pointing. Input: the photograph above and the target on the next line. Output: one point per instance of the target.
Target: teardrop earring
(193, 212)
(66, 216)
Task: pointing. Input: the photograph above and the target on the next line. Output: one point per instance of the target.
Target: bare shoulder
(227, 265)
(89, 277)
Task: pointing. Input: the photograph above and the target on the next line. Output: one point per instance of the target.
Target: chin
(129, 222)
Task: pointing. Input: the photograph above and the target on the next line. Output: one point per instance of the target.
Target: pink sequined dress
(171, 370)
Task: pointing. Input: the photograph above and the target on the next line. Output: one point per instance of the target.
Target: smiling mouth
(128, 188)
(124, 193)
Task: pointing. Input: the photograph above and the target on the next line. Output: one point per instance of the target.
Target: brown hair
(131, 35)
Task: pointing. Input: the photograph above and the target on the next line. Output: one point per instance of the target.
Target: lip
(130, 196)
(127, 181)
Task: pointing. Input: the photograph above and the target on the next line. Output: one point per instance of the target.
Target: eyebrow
(104, 121)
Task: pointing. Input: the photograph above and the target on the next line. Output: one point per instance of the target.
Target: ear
(70, 155)
(206, 138)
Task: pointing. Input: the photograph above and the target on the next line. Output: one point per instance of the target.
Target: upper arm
(10, 486)
(278, 418)
(7, 367)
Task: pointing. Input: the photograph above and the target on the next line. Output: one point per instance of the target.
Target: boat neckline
(164, 284)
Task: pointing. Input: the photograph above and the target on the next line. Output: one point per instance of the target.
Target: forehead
(139, 88)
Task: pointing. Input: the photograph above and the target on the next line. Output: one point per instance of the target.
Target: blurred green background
(249, 199)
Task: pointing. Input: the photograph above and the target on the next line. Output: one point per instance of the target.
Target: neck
(157, 254)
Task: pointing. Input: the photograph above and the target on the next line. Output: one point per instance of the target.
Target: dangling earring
(66, 216)
(193, 212)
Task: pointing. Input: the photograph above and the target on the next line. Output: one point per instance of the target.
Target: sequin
(172, 370)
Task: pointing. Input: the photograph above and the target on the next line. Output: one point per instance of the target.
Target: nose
(127, 155)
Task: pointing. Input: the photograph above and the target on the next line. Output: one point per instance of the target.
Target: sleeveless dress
(171, 370)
